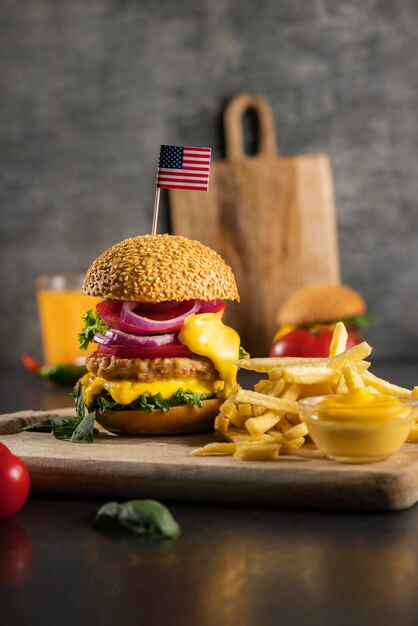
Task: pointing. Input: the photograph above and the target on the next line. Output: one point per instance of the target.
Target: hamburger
(165, 360)
(307, 319)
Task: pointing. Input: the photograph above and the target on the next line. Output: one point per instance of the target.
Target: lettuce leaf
(149, 403)
(92, 325)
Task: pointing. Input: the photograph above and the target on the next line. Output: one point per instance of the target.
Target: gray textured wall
(89, 90)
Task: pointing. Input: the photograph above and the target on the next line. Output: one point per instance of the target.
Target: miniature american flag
(183, 167)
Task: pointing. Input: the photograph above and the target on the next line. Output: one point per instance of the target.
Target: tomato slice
(307, 343)
(129, 352)
(109, 311)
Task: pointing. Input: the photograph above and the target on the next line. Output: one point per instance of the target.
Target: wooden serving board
(163, 468)
(271, 218)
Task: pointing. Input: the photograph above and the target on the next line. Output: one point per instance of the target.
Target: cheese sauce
(126, 391)
(205, 334)
(359, 426)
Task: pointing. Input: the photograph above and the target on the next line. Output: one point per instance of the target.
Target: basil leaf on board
(79, 401)
(65, 431)
(84, 431)
(147, 518)
(49, 424)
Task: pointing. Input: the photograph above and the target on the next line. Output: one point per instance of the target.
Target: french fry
(257, 452)
(215, 448)
(267, 402)
(293, 444)
(277, 436)
(309, 374)
(229, 409)
(362, 366)
(259, 425)
(296, 431)
(245, 410)
(292, 392)
(352, 377)
(414, 393)
(283, 426)
(236, 435)
(266, 364)
(352, 355)
(383, 386)
(339, 340)
(221, 423)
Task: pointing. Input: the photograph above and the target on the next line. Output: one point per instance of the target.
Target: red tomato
(14, 485)
(308, 343)
(129, 352)
(4, 449)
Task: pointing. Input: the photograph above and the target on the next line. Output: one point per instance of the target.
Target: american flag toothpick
(181, 167)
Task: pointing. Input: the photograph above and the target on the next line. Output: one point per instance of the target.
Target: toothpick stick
(156, 207)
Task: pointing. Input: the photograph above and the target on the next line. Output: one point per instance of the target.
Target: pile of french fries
(261, 424)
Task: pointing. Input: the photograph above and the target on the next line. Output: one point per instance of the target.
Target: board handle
(234, 135)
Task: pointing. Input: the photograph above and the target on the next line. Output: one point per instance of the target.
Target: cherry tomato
(308, 343)
(4, 449)
(14, 485)
(129, 352)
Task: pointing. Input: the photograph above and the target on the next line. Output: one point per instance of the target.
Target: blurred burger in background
(307, 319)
(165, 360)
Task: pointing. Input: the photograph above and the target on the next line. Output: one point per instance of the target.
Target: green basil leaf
(147, 518)
(48, 425)
(65, 431)
(84, 431)
(79, 401)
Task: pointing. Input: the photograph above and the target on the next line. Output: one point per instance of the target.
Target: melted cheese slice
(207, 335)
(126, 391)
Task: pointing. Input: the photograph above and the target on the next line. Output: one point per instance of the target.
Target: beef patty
(114, 368)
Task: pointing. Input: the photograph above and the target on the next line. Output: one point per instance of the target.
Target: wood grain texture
(162, 467)
(271, 218)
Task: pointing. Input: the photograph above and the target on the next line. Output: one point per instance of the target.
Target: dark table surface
(232, 565)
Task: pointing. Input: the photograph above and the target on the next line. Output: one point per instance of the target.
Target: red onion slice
(147, 341)
(148, 325)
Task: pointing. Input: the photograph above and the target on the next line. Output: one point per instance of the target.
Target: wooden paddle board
(271, 218)
(163, 468)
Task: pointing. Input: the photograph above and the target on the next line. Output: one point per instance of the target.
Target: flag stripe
(197, 170)
(182, 174)
(208, 150)
(175, 186)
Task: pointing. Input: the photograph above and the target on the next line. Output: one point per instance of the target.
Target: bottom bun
(186, 418)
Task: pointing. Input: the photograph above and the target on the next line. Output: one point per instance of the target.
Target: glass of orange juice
(61, 309)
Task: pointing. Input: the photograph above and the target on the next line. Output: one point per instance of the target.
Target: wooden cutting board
(271, 218)
(163, 468)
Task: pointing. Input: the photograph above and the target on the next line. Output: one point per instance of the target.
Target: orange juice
(61, 308)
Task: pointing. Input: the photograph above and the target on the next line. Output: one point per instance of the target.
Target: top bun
(320, 303)
(155, 268)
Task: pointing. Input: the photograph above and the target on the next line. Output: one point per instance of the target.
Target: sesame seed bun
(187, 418)
(155, 268)
(320, 303)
